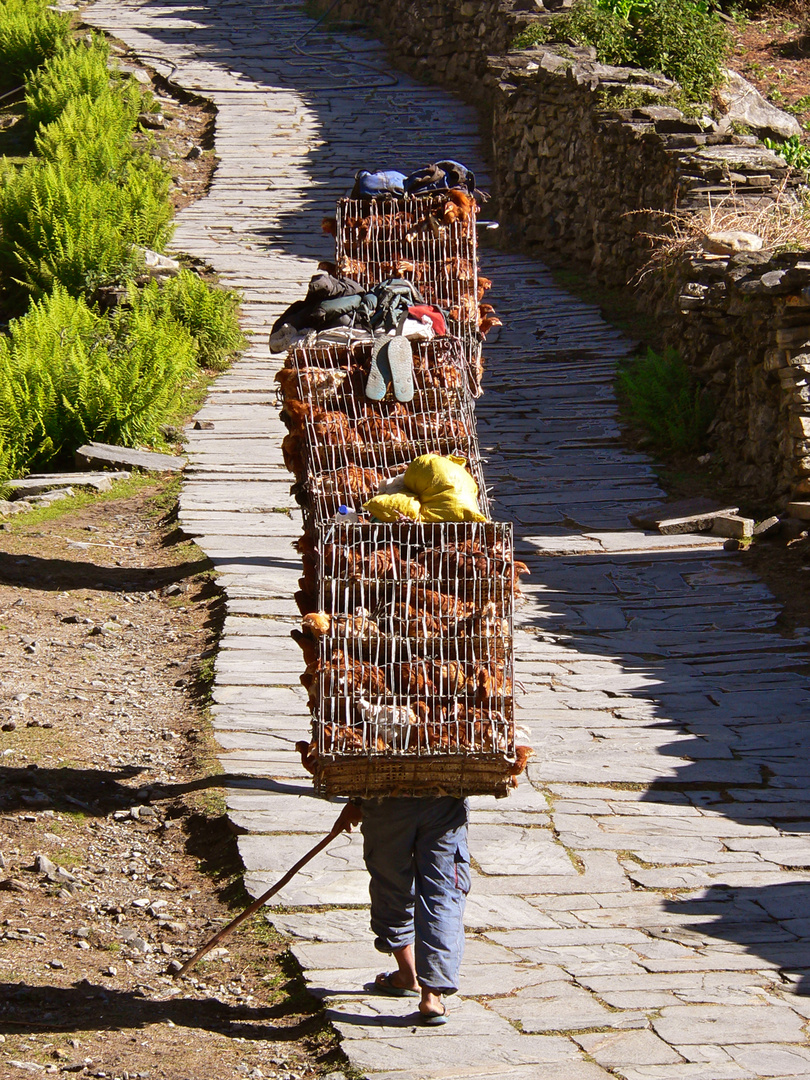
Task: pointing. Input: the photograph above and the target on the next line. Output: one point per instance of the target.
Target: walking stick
(337, 829)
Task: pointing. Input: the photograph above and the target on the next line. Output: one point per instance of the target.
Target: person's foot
(432, 1009)
(392, 984)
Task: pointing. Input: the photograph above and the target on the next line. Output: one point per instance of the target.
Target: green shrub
(68, 374)
(94, 133)
(659, 395)
(79, 71)
(60, 224)
(683, 39)
(29, 34)
(793, 150)
(207, 312)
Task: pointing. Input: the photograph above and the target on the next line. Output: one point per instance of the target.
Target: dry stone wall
(742, 322)
(581, 181)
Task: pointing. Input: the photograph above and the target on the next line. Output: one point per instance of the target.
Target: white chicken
(392, 723)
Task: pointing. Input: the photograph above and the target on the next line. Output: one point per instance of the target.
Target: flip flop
(384, 985)
(433, 1019)
(400, 364)
(379, 374)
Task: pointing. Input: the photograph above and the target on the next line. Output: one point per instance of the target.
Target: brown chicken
(307, 644)
(435, 604)
(435, 426)
(357, 627)
(465, 311)
(342, 739)
(305, 602)
(491, 682)
(344, 676)
(318, 385)
(352, 268)
(430, 678)
(309, 754)
(522, 755)
(486, 323)
(405, 621)
(486, 623)
(293, 451)
(350, 484)
(381, 564)
(316, 624)
(322, 425)
(380, 429)
(471, 566)
(459, 207)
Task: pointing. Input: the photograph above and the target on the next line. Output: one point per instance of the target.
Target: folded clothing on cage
(435, 177)
(339, 302)
(379, 184)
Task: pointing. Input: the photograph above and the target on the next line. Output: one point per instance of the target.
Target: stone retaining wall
(743, 325)
(574, 180)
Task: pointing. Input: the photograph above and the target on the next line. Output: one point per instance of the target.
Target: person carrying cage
(415, 850)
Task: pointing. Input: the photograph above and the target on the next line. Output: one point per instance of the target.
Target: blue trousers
(416, 853)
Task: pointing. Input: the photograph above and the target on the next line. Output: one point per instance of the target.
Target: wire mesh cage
(412, 691)
(345, 447)
(430, 240)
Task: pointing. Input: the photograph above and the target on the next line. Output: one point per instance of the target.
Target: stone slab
(37, 483)
(620, 1048)
(505, 849)
(717, 1024)
(101, 454)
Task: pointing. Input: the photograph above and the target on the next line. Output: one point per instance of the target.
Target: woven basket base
(386, 777)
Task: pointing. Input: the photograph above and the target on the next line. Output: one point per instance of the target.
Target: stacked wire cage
(345, 447)
(430, 240)
(407, 626)
(414, 690)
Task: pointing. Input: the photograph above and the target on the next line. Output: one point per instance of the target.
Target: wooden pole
(337, 828)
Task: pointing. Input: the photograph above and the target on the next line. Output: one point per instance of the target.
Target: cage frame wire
(412, 740)
(415, 428)
(375, 240)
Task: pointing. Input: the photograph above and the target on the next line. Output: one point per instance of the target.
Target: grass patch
(783, 224)
(659, 396)
(682, 39)
(63, 507)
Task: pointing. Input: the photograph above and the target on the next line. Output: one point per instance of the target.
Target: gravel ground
(116, 859)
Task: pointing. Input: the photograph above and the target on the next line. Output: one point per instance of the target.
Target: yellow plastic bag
(391, 507)
(445, 489)
(431, 474)
(452, 506)
(435, 489)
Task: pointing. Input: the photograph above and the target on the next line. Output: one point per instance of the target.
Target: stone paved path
(640, 909)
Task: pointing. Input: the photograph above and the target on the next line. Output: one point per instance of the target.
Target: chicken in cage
(431, 242)
(345, 447)
(317, 369)
(418, 675)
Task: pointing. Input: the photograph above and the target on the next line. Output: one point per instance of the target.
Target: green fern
(61, 225)
(81, 70)
(68, 374)
(659, 395)
(95, 133)
(208, 312)
(30, 33)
